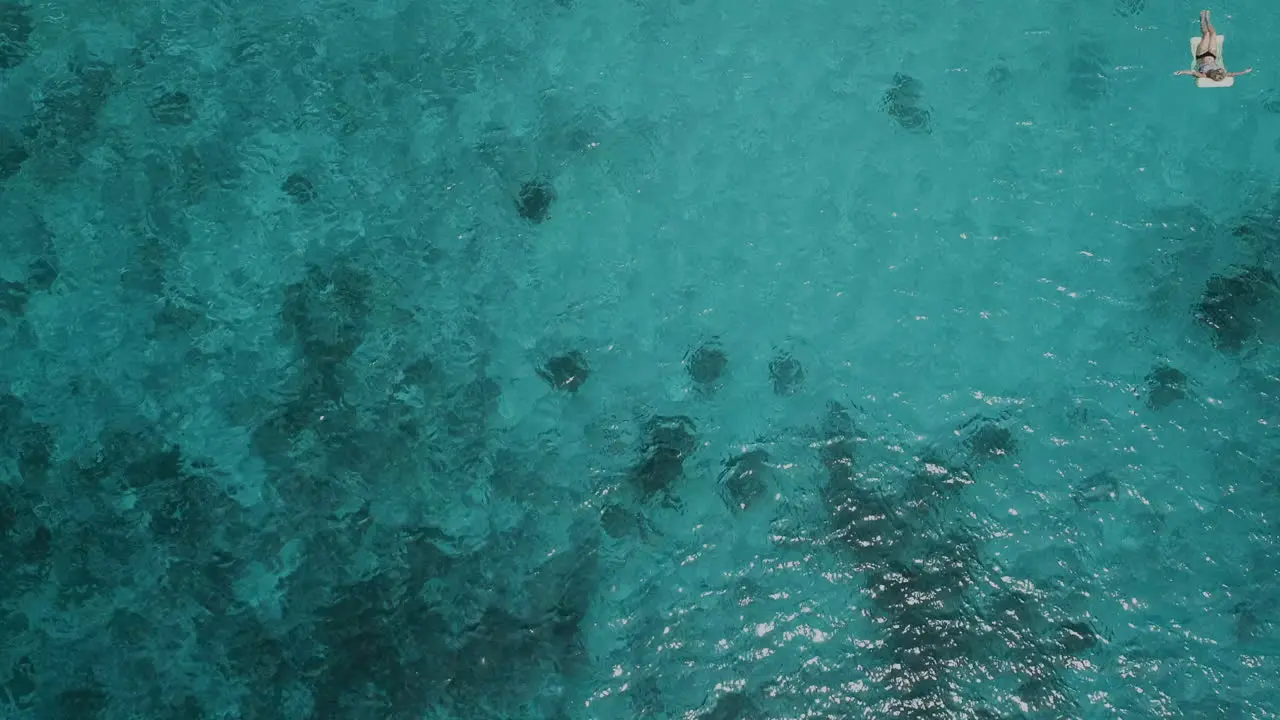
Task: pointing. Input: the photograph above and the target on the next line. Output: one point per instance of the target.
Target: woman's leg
(1206, 34)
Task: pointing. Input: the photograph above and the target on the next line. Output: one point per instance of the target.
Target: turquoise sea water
(669, 359)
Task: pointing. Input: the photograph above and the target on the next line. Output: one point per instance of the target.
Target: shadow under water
(926, 585)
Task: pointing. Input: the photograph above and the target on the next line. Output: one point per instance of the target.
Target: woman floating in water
(1208, 64)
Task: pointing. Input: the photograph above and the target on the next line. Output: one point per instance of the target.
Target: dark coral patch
(1096, 488)
(567, 372)
(786, 374)
(15, 31)
(299, 188)
(670, 441)
(1130, 8)
(41, 274)
(1076, 637)
(707, 363)
(1230, 303)
(13, 298)
(12, 155)
(743, 480)
(173, 108)
(618, 522)
(904, 102)
(992, 441)
(1165, 386)
(535, 200)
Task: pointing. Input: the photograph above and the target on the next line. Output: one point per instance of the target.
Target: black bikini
(1204, 55)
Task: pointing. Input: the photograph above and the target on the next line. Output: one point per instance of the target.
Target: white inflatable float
(1205, 82)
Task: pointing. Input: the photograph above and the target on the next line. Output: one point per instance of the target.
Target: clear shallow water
(279, 284)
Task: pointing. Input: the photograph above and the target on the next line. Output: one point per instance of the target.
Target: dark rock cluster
(904, 102)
